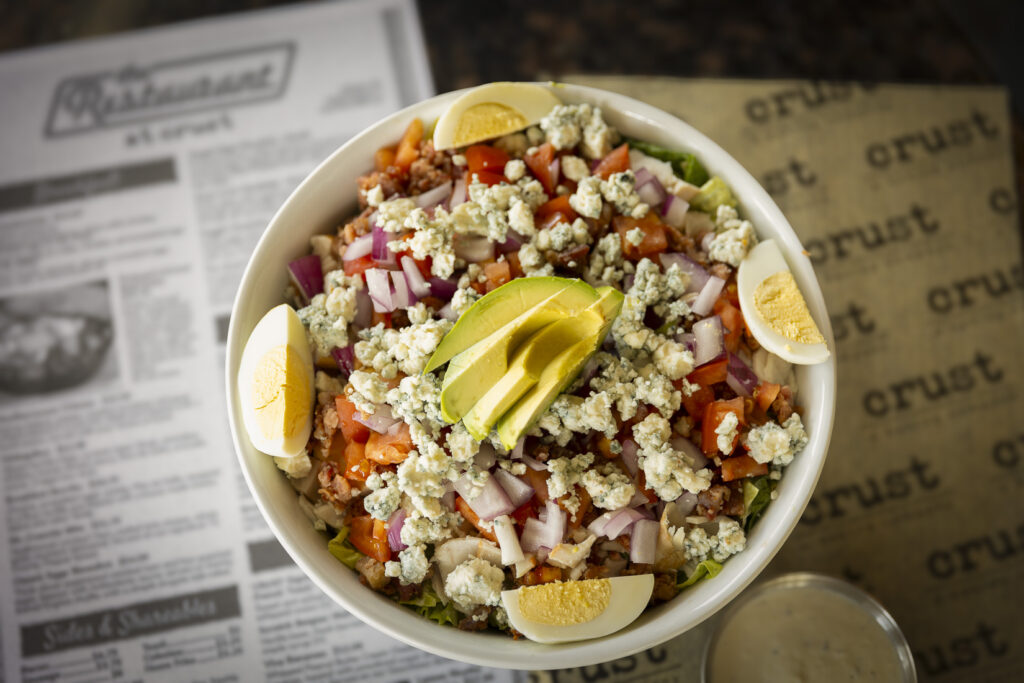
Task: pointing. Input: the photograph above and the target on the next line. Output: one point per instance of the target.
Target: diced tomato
(360, 265)
(409, 146)
(524, 512)
(641, 486)
(617, 161)
(489, 178)
(542, 574)
(732, 320)
(357, 467)
(696, 402)
(765, 394)
(539, 164)
(514, 265)
(538, 479)
(558, 206)
(350, 428)
(370, 537)
(389, 449)
(497, 274)
(742, 466)
(485, 158)
(463, 507)
(714, 413)
(710, 373)
(380, 318)
(731, 294)
(654, 241)
(585, 502)
(384, 157)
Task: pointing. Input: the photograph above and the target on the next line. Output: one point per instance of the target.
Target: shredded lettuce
(713, 193)
(428, 604)
(343, 550)
(757, 493)
(685, 165)
(708, 569)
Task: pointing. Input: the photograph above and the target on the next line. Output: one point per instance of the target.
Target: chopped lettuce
(708, 569)
(757, 493)
(428, 604)
(343, 550)
(713, 193)
(684, 164)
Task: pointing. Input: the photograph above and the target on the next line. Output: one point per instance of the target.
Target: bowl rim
(656, 629)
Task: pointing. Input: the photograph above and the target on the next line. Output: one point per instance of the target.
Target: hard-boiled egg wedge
(775, 310)
(275, 384)
(492, 110)
(577, 610)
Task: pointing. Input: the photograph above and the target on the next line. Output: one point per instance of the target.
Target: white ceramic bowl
(320, 203)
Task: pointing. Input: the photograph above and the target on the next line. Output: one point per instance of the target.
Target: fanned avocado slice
(497, 309)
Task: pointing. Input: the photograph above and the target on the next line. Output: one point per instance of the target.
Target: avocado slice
(497, 309)
(527, 366)
(560, 372)
(473, 372)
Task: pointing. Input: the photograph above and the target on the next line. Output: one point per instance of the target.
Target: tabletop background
(917, 41)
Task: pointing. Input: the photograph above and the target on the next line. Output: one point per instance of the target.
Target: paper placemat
(904, 197)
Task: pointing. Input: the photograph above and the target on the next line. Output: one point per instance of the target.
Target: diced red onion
(639, 498)
(485, 457)
(307, 275)
(740, 377)
(673, 211)
(690, 452)
(698, 276)
(539, 534)
(627, 284)
(448, 498)
(433, 196)
(618, 524)
(364, 309)
(395, 523)
(517, 452)
(709, 343)
(474, 248)
(380, 252)
(380, 421)
(517, 490)
(708, 295)
(686, 503)
(553, 169)
(491, 501)
(598, 526)
(345, 358)
(513, 240)
(706, 240)
(651, 192)
(443, 289)
(534, 464)
(511, 551)
(643, 542)
(688, 340)
(417, 284)
(401, 297)
(643, 176)
(458, 195)
(629, 456)
(360, 247)
(379, 285)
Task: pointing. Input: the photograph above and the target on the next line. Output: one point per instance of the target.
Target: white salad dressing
(801, 634)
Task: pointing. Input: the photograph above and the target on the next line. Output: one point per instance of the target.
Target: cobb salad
(541, 379)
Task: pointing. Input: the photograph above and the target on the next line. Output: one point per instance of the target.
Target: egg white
(531, 100)
(763, 261)
(629, 598)
(280, 326)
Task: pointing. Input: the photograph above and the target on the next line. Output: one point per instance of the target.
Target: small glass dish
(790, 597)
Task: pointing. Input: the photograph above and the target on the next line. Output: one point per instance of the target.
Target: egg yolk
(488, 120)
(780, 303)
(562, 604)
(280, 392)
